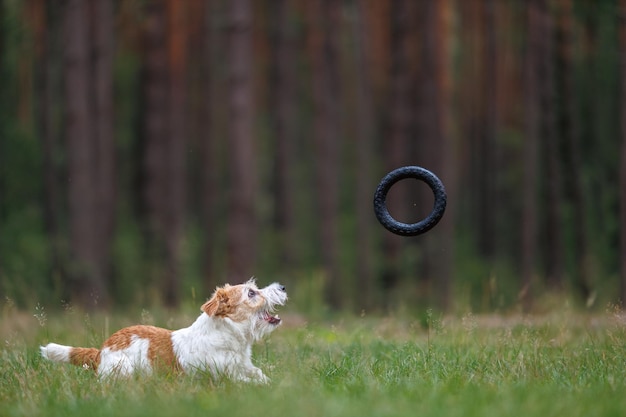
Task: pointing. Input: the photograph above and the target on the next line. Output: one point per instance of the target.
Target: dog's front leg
(250, 373)
(259, 377)
(247, 371)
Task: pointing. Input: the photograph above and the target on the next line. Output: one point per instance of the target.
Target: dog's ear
(210, 307)
(218, 305)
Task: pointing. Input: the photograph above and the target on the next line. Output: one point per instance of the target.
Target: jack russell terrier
(219, 341)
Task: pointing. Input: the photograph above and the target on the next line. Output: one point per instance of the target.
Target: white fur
(126, 361)
(55, 352)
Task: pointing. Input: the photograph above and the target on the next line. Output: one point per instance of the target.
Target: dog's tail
(85, 357)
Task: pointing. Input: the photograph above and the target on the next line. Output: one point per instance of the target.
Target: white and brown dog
(219, 341)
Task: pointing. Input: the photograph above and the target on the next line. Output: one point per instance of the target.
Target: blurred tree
(45, 22)
(376, 84)
(554, 251)
(154, 137)
(487, 141)
(165, 141)
(242, 215)
(176, 144)
(283, 83)
(366, 128)
(532, 130)
(395, 153)
(86, 281)
(569, 128)
(437, 61)
(208, 145)
(622, 50)
(103, 50)
(87, 142)
(378, 22)
(323, 26)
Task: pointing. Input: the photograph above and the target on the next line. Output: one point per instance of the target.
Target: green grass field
(564, 364)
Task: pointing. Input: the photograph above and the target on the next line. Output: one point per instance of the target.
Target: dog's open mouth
(270, 318)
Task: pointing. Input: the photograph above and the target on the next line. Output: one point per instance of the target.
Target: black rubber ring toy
(413, 229)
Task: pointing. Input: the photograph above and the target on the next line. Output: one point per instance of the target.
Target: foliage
(558, 364)
(483, 120)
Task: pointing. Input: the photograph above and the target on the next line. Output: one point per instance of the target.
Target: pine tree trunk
(554, 252)
(365, 131)
(570, 129)
(208, 170)
(488, 207)
(622, 182)
(530, 164)
(396, 141)
(89, 287)
(47, 84)
(443, 256)
(326, 139)
(242, 217)
(284, 101)
(104, 138)
(175, 179)
(155, 131)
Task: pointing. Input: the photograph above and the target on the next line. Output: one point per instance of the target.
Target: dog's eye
(251, 293)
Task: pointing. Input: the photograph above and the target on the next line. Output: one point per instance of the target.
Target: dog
(219, 341)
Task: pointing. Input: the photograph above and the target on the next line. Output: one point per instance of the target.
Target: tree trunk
(554, 253)
(155, 131)
(622, 182)
(441, 247)
(396, 143)
(242, 220)
(89, 285)
(572, 169)
(488, 207)
(326, 139)
(208, 159)
(284, 101)
(532, 130)
(102, 27)
(176, 141)
(47, 83)
(365, 131)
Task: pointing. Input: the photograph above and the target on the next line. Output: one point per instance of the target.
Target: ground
(560, 363)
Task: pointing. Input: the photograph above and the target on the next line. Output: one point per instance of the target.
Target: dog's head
(247, 304)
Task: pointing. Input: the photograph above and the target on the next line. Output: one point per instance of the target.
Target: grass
(553, 365)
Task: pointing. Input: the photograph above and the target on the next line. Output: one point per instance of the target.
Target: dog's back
(132, 349)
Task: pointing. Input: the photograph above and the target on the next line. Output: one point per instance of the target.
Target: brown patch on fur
(160, 349)
(212, 306)
(228, 302)
(85, 357)
(223, 301)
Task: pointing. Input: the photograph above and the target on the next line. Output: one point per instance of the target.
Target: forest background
(153, 149)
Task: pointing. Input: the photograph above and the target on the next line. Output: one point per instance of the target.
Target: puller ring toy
(413, 229)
